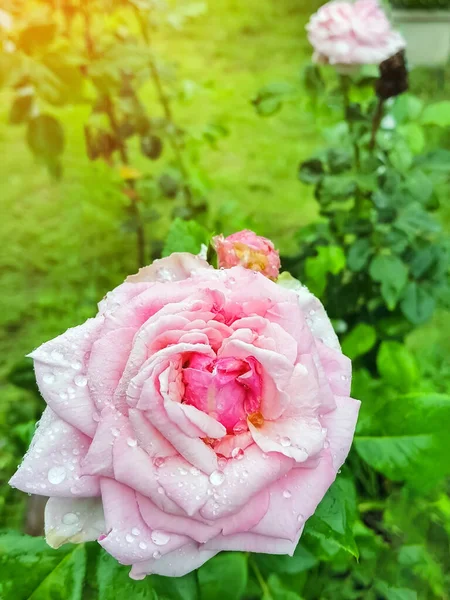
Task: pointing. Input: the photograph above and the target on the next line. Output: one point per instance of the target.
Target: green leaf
(359, 341)
(339, 160)
(36, 36)
(390, 271)
(302, 561)
(21, 109)
(397, 366)
(419, 186)
(414, 137)
(335, 516)
(185, 236)
(277, 590)
(31, 570)
(114, 582)
(45, 136)
(151, 146)
(401, 157)
(410, 441)
(329, 259)
(395, 593)
(407, 108)
(335, 188)
(437, 114)
(270, 98)
(224, 576)
(311, 171)
(359, 254)
(417, 304)
(176, 588)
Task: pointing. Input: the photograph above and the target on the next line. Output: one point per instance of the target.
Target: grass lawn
(64, 244)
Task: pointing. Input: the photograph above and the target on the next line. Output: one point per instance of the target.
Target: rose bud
(248, 250)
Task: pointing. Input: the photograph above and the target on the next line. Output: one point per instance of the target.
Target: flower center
(228, 389)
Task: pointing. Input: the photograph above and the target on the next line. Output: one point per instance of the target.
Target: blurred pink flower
(248, 250)
(346, 33)
(200, 410)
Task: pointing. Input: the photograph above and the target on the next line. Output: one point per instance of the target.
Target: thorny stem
(376, 122)
(345, 87)
(165, 103)
(140, 231)
(262, 583)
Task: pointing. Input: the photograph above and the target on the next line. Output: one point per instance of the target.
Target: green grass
(64, 244)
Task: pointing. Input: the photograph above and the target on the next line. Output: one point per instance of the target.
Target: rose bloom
(249, 250)
(201, 410)
(346, 33)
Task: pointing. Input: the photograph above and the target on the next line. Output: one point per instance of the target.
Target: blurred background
(132, 128)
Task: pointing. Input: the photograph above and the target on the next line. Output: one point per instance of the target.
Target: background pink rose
(249, 250)
(201, 410)
(346, 33)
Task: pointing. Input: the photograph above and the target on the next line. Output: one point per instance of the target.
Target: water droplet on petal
(160, 538)
(237, 453)
(285, 442)
(80, 380)
(129, 538)
(48, 378)
(156, 555)
(161, 490)
(300, 518)
(158, 461)
(326, 444)
(76, 365)
(217, 478)
(135, 531)
(244, 473)
(194, 471)
(56, 475)
(132, 442)
(57, 356)
(70, 519)
(287, 494)
(142, 545)
(115, 432)
(63, 396)
(182, 471)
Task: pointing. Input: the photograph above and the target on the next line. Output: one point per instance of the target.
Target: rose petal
(51, 467)
(61, 370)
(189, 557)
(73, 520)
(341, 425)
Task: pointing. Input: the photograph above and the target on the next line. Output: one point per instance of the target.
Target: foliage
(421, 4)
(69, 244)
(378, 258)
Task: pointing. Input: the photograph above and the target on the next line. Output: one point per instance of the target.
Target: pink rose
(201, 410)
(346, 33)
(249, 250)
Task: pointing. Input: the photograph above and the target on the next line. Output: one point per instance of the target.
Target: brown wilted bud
(393, 77)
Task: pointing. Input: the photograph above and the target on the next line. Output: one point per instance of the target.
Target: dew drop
(76, 365)
(135, 531)
(237, 453)
(156, 555)
(129, 538)
(194, 471)
(63, 396)
(115, 432)
(222, 463)
(300, 518)
(158, 461)
(217, 478)
(80, 380)
(161, 490)
(48, 378)
(95, 417)
(344, 377)
(182, 471)
(285, 442)
(286, 494)
(56, 475)
(160, 538)
(131, 442)
(326, 444)
(70, 518)
(57, 356)
(142, 545)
